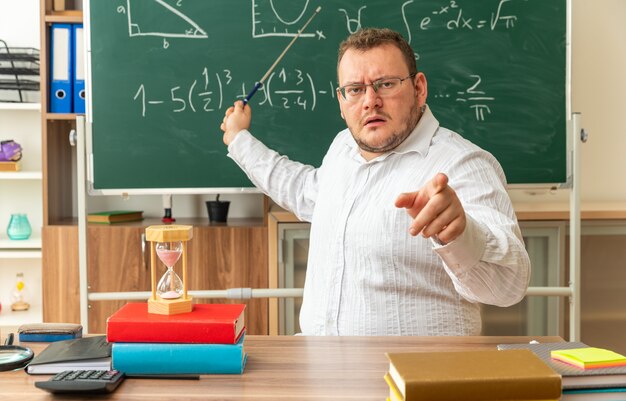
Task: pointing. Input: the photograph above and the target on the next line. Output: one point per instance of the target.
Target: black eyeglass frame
(375, 85)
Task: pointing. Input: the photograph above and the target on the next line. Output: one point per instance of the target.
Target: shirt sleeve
(291, 184)
(488, 262)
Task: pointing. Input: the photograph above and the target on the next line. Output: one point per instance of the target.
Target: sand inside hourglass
(169, 258)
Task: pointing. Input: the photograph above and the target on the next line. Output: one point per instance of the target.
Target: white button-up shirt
(366, 275)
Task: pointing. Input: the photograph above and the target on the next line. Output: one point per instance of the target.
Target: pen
(260, 83)
(9, 339)
(175, 377)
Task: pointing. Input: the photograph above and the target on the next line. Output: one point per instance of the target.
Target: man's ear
(342, 117)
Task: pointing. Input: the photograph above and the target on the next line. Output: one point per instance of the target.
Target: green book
(115, 216)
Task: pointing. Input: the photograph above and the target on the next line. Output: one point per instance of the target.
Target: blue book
(46, 338)
(61, 53)
(78, 69)
(49, 332)
(177, 358)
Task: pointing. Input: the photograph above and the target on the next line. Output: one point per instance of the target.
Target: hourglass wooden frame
(168, 233)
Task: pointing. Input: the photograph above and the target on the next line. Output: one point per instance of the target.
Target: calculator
(82, 381)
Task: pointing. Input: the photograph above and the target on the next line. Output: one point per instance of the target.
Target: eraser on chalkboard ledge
(49, 332)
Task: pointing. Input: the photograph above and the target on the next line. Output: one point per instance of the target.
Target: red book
(206, 323)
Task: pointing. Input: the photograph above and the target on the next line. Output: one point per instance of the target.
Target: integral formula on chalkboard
(213, 91)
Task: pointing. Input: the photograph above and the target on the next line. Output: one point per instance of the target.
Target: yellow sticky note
(590, 357)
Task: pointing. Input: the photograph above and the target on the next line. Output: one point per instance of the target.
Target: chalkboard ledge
(192, 221)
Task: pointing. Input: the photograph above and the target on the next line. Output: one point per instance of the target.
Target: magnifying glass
(13, 356)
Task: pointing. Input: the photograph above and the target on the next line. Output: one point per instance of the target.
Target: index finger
(436, 185)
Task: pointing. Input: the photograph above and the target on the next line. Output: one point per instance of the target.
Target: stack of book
(579, 383)
(207, 340)
(471, 376)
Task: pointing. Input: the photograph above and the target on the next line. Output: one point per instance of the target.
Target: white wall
(19, 22)
(599, 93)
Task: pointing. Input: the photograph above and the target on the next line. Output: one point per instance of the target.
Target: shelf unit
(59, 241)
(21, 192)
(20, 106)
(11, 320)
(21, 176)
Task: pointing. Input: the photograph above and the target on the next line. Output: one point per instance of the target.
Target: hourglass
(169, 244)
(170, 286)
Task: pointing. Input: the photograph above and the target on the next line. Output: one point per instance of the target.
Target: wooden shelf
(33, 243)
(20, 106)
(71, 16)
(60, 116)
(11, 319)
(20, 254)
(21, 175)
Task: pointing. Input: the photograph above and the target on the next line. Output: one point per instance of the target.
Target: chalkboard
(163, 72)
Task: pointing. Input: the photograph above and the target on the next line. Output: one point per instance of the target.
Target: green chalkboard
(163, 72)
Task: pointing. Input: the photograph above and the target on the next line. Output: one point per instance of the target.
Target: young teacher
(411, 225)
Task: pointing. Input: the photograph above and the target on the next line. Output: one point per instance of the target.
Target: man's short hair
(369, 38)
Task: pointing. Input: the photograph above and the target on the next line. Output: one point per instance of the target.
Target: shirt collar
(418, 140)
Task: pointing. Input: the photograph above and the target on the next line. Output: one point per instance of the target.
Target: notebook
(80, 354)
(574, 377)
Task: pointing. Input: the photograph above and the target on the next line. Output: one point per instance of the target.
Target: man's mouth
(374, 121)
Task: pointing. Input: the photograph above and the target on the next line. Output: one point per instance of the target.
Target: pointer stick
(260, 83)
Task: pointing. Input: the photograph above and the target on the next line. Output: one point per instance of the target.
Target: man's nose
(371, 98)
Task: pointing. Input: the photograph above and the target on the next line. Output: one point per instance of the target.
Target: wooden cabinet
(232, 257)
(116, 263)
(220, 257)
(60, 291)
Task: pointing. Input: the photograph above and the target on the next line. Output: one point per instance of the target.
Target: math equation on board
(211, 91)
(214, 90)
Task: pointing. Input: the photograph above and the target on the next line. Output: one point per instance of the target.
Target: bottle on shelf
(19, 296)
(19, 227)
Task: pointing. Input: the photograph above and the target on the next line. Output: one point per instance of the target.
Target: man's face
(380, 123)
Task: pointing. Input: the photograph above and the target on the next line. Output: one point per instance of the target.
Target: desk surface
(280, 368)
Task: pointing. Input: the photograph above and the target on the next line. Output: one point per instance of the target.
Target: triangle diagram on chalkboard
(158, 18)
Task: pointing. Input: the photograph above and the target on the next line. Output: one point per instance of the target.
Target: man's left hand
(435, 209)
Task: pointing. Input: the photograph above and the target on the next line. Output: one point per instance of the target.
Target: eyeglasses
(383, 87)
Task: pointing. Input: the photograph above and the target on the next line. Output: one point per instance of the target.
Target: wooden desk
(281, 368)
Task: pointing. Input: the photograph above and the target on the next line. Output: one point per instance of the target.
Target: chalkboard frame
(92, 190)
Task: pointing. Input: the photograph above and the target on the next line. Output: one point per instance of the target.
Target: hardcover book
(206, 323)
(473, 376)
(11, 166)
(49, 332)
(115, 216)
(574, 377)
(174, 359)
(80, 354)
(394, 393)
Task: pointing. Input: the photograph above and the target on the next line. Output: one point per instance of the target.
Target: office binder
(78, 82)
(61, 68)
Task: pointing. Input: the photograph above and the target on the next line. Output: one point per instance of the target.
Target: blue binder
(79, 69)
(61, 68)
